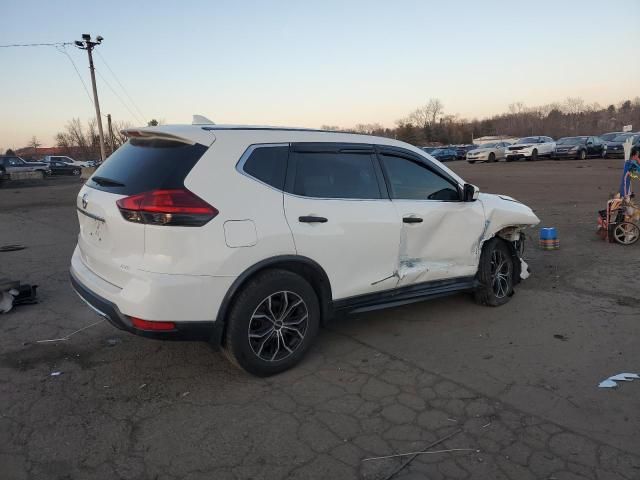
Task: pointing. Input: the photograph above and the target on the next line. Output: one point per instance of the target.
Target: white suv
(531, 148)
(252, 237)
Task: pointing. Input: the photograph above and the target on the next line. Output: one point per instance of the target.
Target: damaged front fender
(506, 218)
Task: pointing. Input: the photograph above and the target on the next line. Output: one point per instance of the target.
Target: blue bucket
(548, 233)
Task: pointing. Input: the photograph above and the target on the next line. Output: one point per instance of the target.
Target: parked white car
(252, 237)
(530, 148)
(489, 152)
(64, 159)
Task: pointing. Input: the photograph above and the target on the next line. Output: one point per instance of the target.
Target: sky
(309, 63)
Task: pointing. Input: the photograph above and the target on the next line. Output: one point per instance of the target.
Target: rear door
(440, 233)
(340, 216)
(110, 245)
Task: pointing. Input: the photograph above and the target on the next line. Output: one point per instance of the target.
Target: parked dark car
(63, 168)
(430, 149)
(462, 150)
(615, 148)
(445, 154)
(580, 148)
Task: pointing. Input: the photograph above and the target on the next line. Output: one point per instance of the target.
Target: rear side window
(268, 164)
(335, 175)
(143, 165)
(409, 180)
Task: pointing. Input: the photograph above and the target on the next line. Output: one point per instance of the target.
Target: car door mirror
(470, 192)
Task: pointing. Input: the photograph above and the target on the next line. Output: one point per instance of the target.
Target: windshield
(622, 138)
(437, 150)
(528, 140)
(609, 136)
(572, 140)
(487, 145)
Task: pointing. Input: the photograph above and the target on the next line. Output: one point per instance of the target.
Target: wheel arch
(307, 268)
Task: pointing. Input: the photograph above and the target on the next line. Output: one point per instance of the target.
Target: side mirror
(470, 193)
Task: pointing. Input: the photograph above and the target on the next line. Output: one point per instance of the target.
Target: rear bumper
(198, 331)
(190, 302)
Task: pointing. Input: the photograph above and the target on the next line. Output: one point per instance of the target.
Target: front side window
(409, 180)
(335, 175)
(268, 164)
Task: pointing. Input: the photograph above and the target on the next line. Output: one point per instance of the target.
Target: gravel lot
(516, 384)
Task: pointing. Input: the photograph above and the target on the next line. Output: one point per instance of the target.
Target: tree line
(426, 125)
(430, 124)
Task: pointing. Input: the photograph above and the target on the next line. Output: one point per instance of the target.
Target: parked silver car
(488, 152)
(12, 164)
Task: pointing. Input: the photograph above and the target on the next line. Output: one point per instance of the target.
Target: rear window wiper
(107, 182)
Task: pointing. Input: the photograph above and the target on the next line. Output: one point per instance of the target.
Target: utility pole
(111, 142)
(88, 45)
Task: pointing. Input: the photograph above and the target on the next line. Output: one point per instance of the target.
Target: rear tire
(75, 172)
(272, 323)
(495, 274)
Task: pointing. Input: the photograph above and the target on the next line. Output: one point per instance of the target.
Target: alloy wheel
(500, 274)
(278, 326)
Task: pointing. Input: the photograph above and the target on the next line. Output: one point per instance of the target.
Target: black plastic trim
(405, 295)
(184, 331)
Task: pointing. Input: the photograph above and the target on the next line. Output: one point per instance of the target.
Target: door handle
(312, 219)
(412, 220)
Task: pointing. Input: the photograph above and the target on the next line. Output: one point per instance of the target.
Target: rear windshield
(142, 165)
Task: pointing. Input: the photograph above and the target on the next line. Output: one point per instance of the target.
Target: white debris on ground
(620, 377)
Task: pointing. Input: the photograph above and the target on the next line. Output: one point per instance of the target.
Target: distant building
(40, 152)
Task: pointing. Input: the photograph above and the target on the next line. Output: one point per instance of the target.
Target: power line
(63, 50)
(133, 114)
(36, 44)
(121, 85)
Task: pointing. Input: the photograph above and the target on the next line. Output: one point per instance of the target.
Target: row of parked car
(49, 165)
(534, 147)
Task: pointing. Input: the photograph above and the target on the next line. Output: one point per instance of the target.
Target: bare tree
(120, 138)
(34, 143)
(80, 141)
(427, 115)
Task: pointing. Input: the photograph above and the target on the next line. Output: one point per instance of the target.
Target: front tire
(582, 155)
(495, 274)
(272, 323)
(534, 155)
(492, 157)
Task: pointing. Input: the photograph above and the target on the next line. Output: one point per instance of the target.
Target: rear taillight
(176, 207)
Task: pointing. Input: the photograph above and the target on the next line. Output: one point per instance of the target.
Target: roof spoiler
(201, 120)
(154, 134)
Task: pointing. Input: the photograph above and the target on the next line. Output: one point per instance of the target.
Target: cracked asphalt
(514, 388)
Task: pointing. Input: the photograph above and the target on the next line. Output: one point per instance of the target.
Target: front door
(440, 233)
(340, 217)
